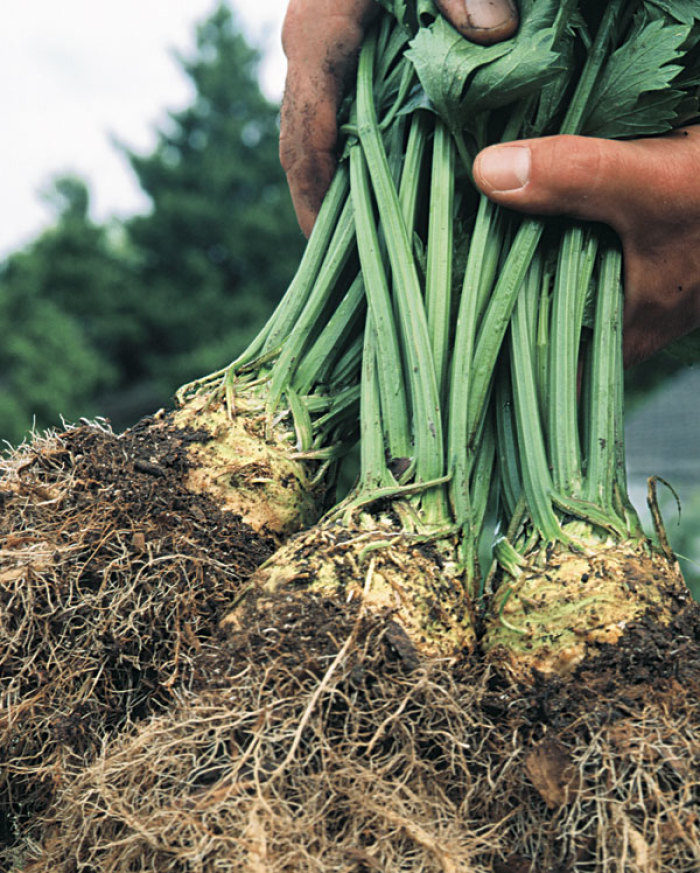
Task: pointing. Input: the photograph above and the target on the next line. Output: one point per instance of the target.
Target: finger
(321, 44)
(647, 190)
(589, 178)
(482, 21)
(561, 175)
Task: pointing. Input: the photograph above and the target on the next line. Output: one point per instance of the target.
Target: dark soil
(113, 577)
(315, 738)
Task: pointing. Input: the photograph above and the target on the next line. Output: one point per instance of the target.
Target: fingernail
(504, 168)
(489, 14)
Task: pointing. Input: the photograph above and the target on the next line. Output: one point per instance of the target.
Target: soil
(113, 576)
(307, 731)
(315, 737)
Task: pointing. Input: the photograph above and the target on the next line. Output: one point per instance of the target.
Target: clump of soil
(113, 577)
(316, 739)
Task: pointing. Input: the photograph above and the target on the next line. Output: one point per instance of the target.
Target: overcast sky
(74, 73)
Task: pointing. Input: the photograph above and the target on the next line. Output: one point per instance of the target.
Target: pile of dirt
(113, 577)
(315, 737)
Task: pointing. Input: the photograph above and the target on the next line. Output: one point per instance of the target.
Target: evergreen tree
(68, 303)
(221, 243)
(109, 320)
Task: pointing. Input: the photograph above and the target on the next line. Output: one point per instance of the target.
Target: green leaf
(445, 61)
(461, 78)
(684, 11)
(409, 12)
(634, 95)
(528, 67)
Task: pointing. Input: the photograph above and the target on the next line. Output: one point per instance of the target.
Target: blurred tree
(67, 300)
(221, 243)
(111, 319)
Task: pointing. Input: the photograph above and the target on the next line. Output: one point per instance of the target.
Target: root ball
(247, 467)
(565, 605)
(113, 576)
(415, 582)
(313, 745)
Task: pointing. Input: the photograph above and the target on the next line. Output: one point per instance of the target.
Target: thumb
(583, 177)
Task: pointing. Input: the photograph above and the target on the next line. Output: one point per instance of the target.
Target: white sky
(74, 73)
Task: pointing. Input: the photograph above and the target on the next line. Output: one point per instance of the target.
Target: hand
(648, 190)
(321, 39)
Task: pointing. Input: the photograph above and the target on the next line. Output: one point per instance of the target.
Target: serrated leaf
(461, 78)
(684, 11)
(417, 99)
(517, 75)
(572, 29)
(652, 115)
(625, 102)
(444, 62)
(688, 110)
(533, 62)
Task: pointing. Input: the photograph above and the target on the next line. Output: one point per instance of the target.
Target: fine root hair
(309, 743)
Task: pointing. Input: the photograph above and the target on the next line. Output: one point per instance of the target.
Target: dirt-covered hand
(647, 190)
(321, 39)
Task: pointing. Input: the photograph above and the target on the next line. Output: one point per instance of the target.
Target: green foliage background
(110, 319)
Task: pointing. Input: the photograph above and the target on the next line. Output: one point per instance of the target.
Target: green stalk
(410, 176)
(374, 473)
(481, 263)
(497, 316)
(605, 375)
(343, 404)
(319, 359)
(589, 257)
(347, 366)
(440, 243)
(542, 343)
(598, 54)
(502, 301)
(429, 453)
(506, 435)
(379, 302)
(483, 485)
(537, 483)
(340, 248)
(293, 302)
(567, 314)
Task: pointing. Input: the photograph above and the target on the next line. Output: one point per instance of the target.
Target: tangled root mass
(113, 576)
(309, 742)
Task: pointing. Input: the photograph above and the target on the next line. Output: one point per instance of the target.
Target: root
(113, 578)
(389, 572)
(312, 745)
(248, 470)
(566, 605)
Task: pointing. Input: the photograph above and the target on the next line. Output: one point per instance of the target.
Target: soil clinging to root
(316, 739)
(113, 577)
(373, 561)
